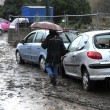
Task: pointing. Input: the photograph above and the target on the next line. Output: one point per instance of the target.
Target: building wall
(2, 2)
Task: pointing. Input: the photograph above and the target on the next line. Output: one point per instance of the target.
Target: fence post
(66, 20)
(97, 21)
(17, 28)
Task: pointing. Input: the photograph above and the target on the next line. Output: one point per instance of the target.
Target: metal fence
(81, 23)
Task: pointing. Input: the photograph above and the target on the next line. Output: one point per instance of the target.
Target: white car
(18, 20)
(89, 58)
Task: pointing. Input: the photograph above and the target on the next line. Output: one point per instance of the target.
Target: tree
(72, 7)
(13, 7)
(61, 7)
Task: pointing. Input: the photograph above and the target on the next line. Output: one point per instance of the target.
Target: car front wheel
(42, 64)
(18, 58)
(87, 84)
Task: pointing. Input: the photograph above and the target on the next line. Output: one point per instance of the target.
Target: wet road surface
(26, 87)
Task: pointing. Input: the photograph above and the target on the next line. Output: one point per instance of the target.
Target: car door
(36, 48)
(65, 39)
(74, 58)
(68, 37)
(79, 54)
(26, 48)
(70, 61)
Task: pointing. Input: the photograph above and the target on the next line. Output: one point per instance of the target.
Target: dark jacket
(55, 48)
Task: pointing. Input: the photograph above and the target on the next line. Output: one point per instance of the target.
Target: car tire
(87, 84)
(42, 64)
(18, 58)
(1, 32)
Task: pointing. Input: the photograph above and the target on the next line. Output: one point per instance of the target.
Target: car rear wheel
(42, 64)
(87, 84)
(18, 58)
(1, 32)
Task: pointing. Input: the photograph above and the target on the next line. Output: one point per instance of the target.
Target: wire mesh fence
(81, 23)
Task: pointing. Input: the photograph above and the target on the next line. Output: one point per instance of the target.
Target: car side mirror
(22, 41)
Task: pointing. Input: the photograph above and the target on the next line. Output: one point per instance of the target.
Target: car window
(102, 41)
(39, 37)
(75, 44)
(30, 38)
(2, 20)
(64, 37)
(71, 35)
(83, 42)
(68, 36)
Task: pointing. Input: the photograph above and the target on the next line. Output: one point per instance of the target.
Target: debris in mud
(27, 86)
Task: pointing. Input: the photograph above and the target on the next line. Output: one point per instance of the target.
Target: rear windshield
(68, 36)
(71, 35)
(102, 41)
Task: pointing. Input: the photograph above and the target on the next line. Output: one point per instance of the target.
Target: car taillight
(94, 55)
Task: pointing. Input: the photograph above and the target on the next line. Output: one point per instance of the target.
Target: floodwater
(26, 87)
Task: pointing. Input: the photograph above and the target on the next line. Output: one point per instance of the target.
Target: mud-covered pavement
(25, 87)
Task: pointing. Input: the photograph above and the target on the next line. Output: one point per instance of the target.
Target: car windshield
(68, 36)
(102, 41)
(71, 35)
(3, 20)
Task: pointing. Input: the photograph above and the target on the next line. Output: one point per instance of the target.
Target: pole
(36, 1)
(97, 21)
(47, 8)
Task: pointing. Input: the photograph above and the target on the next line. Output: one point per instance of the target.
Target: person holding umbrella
(55, 50)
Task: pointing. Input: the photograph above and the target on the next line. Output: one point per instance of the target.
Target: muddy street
(26, 87)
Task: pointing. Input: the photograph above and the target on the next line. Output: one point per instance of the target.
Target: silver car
(29, 49)
(89, 58)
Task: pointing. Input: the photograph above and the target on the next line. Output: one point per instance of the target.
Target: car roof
(93, 33)
(41, 30)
